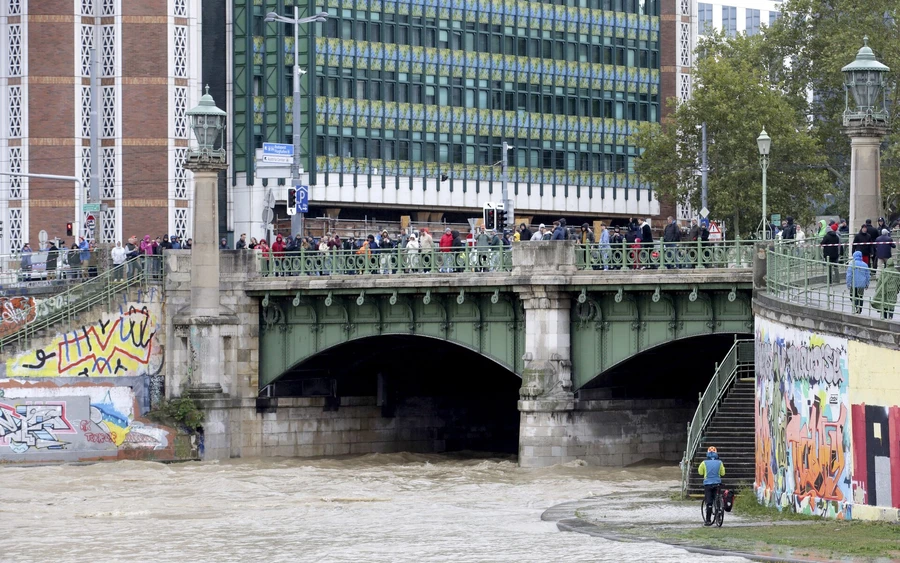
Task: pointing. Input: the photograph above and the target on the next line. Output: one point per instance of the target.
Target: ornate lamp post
(205, 161)
(764, 143)
(866, 124)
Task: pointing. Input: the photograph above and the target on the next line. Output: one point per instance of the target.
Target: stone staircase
(732, 431)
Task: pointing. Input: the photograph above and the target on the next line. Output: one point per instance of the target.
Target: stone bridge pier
(553, 325)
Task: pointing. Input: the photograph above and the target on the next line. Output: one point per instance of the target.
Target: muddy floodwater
(395, 507)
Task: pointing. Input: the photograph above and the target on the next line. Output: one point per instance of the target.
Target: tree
(736, 98)
(808, 46)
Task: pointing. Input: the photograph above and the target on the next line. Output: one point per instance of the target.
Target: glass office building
(430, 89)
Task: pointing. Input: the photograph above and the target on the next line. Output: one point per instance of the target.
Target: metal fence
(384, 261)
(738, 359)
(665, 255)
(105, 288)
(804, 279)
(43, 265)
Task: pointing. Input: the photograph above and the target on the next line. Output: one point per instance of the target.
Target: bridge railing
(62, 265)
(738, 358)
(384, 261)
(27, 322)
(665, 255)
(815, 283)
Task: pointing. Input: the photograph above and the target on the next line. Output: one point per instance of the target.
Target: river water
(394, 507)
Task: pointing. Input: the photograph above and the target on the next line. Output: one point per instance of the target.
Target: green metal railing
(64, 307)
(737, 360)
(665, 255)
(807, 280)
(388, 261)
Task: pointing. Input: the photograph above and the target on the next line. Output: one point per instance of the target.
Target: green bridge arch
(294, 330)
(610, 327)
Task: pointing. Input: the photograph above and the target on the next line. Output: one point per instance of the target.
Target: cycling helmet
(711, 450)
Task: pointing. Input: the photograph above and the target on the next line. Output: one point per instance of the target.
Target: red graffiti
(98, 438)
(15, 312)
(818, 455)
(85, 425)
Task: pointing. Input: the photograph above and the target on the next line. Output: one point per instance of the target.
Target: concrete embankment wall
(827, 414)
(79, 392)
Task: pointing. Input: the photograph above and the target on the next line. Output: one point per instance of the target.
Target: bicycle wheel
(703, 510)
(720, 511)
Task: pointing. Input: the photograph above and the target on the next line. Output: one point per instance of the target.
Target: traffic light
(69, 230)
(291, 200)
(490, 217)
(501, 219)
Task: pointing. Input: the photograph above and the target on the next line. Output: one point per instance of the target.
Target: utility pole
(295, 166)
(704, 170)
(508, 205)
(94, 191)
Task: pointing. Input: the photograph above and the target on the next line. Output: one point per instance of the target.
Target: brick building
(149, 59)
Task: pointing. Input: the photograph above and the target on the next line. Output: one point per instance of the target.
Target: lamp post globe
(207, 122)
(764, 143)
(865, 79)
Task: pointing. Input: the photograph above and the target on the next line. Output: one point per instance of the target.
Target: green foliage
(736, 98)
(179, 411)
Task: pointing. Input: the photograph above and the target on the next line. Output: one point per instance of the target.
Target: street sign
(270, 199)
(91, 208)
(43, 237)
(704, 213)
(267, 215)
(302, 199)
(278, 159)
(776, 219)
(278, 149)
(89, 222)
(715, 234)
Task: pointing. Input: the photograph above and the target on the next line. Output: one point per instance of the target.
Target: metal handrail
(665, 255)
(740, 354)
(385, 261)
(103, 288)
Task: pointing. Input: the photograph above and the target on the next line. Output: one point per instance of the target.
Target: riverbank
(750, 530)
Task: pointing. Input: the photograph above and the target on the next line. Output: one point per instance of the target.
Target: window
(729, 20)
(704, 18)
(752, 27)
(773, 17)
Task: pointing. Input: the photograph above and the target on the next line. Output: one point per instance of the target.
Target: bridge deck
(719, 278)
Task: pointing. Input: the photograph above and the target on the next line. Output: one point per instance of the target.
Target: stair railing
(737, 359)
(63, 307)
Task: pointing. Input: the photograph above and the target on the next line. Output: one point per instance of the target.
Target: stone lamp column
(866, 124)
(204, 317)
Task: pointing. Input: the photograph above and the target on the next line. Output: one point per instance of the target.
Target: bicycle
(718, 514)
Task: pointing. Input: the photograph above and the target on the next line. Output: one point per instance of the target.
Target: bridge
(507, 350)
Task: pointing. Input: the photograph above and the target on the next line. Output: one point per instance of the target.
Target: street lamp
(207, 123)
(764, 143)
(296, 21)
(866, 124)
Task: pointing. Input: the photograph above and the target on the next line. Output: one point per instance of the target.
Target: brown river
(392, 508)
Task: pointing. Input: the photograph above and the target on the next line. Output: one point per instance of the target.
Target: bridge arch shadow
(679, 369)
(412, 393)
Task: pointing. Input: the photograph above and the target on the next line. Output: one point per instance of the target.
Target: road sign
(43, 237)
(91, 208)
(776, 218)
(89, 222)
(302, 199)
(278, 149)
(278, 159)
(715, 234)
(267, 215)
(704, 213)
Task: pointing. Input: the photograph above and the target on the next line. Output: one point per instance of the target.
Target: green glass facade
(432, 88)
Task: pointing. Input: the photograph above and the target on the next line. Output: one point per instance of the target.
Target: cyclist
(712, 470)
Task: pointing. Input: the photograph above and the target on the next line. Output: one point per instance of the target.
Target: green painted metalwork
(102, 289)
(389, 261)
(294, 330)
(609, 327)
(739, 359)
(674, 255)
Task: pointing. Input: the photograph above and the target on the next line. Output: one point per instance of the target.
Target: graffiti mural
(804, 458)
(124, 343)
(70, 422)
(15, 312)
(876, 460)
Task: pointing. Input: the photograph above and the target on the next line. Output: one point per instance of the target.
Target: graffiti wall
(804, 459)
(118, 344)
(15, 312)
(875, 396)
(51, 421)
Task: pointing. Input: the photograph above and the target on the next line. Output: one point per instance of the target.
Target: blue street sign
(278, 149)
(302, 199)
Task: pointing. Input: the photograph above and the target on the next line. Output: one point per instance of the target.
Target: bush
(180, 411)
